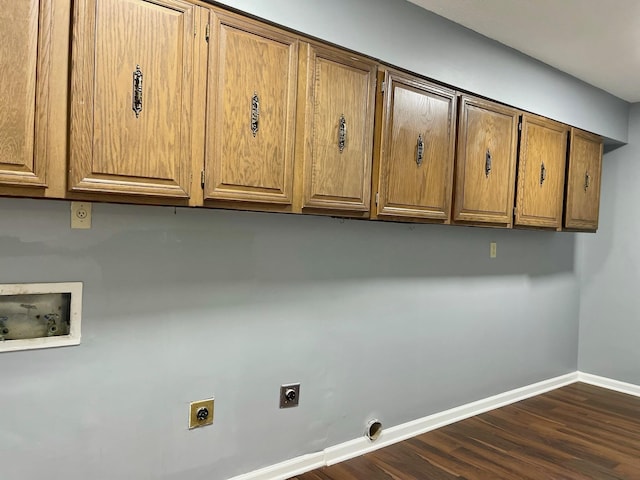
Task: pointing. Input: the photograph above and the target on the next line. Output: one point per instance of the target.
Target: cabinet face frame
(32, 171)
(579, 190)
(235, 194)
(466, 215)
(311, 55)
(537, 175)
(383, 206)
(83, 85)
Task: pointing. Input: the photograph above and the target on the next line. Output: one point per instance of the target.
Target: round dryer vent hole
(374, 430)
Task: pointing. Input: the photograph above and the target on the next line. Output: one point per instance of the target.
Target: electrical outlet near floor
(80, 215)
(289, 395)
(201, 413)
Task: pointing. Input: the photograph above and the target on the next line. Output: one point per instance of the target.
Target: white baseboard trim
(360, 446)
(398, 433)
(610, 384)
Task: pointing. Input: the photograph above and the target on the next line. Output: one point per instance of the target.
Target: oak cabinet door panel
(583, 181)
(417, 149)
(338, 130)
(252, 107)
(24, 70)
(132, 87)
(541, 170)
(486, 163)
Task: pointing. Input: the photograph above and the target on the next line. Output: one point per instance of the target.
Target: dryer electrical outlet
(201, 413)
(289, 395)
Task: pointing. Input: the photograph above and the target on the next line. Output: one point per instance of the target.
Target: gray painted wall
(405, 35)
(384, 320)
(609, 265)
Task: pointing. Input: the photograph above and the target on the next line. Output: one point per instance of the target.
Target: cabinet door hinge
(520, 126)
(377, 197)
(515, 210)
(202, 179)
(383, 87)
(207, 33)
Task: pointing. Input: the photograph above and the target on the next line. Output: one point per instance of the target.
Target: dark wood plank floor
(573, 433)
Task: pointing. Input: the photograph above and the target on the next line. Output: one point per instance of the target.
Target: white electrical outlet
(80, 215)
(493, 250)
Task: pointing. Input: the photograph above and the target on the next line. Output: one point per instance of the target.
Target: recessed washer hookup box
(39, 315)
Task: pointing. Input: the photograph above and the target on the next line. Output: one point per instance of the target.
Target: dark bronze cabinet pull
(342, 133)
(543, 173)
(255, 113)
(420, 150)
(587, 181)
(487, 164)
(136, 103)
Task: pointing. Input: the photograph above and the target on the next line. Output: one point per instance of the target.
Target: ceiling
(597, 41)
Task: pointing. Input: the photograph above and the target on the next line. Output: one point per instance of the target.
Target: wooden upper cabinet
(415, 152)
(541, 169)
(339, 114)
(583, 181)
(486, 163)
(251, 112)
(131, 92)
(24, 71)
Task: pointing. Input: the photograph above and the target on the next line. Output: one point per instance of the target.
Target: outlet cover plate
(194, 407)
(81, 215)
(285, 401)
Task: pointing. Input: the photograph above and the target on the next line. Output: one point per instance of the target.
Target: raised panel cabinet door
(24, 70)
(338, 130)
(417, 149)
(132, 86)
(583, 181)
(252, 108)
(486, 163)
(541, 170)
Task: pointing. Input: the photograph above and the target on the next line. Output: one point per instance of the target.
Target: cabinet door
(541, 168)
(132, 86)
(583, 181)
(338, 130)
(486, 161)
(24, 63)
(252, 107)
(416, 149)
